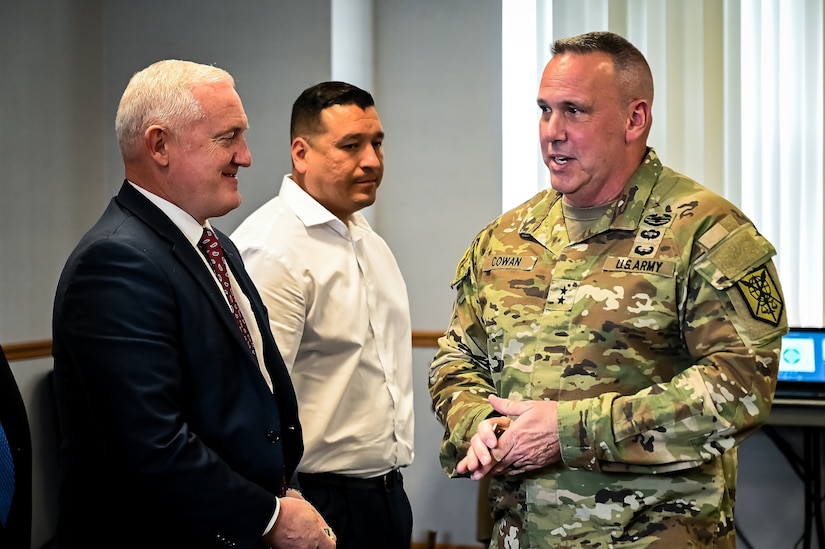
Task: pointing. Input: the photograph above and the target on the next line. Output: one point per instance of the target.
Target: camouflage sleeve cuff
(454, 448)
(582, 425)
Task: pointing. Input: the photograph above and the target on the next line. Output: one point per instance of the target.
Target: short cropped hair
(306, 111)
(632, 69)
(161, 94)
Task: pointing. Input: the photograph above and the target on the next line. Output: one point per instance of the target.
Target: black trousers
(364, 513)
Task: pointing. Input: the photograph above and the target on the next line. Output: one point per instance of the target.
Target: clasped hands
(530, 440)
(299, 526)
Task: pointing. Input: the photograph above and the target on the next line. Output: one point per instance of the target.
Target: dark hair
(306, 111)
(632, 69)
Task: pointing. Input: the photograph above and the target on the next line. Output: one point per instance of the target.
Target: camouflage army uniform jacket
(658, 334)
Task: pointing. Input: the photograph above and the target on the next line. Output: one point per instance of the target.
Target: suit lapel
(274, 363)
(189, 258)
(235, 264)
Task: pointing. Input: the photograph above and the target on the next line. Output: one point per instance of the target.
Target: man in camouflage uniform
(623, 328)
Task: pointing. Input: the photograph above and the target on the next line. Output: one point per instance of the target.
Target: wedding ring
(328, 531)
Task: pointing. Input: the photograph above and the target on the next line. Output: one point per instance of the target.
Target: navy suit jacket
(171, 436)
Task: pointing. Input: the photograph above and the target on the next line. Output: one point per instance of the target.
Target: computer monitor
(802, 365)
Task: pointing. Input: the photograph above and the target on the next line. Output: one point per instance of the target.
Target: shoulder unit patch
(761, 295)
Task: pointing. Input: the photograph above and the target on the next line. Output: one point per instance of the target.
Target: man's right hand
(299, 526)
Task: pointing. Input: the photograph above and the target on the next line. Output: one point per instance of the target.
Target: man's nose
(551, 128)
(243, 157)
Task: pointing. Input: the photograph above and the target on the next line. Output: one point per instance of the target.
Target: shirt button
(273, 436)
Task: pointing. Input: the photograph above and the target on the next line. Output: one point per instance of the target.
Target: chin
(365, 201)
(234, 198)
(562, 185)
(228, 206)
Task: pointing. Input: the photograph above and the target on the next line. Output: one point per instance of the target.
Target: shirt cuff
(274, 516)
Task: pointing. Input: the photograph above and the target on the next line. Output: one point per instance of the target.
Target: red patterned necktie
(213, 251)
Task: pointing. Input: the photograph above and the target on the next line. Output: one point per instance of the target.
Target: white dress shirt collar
(312, 213)
(187, 224)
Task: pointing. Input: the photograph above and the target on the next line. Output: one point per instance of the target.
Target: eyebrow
(360, 136)
(563, 104)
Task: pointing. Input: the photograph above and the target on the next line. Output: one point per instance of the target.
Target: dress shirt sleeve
(284, 296)
(274, 516)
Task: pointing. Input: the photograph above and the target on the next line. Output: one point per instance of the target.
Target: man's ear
(300, 149)
(156, 140)
(639, 120)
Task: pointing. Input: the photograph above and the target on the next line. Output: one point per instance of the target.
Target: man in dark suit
(179, 420)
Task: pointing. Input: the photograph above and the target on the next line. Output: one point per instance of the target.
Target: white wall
(437, 84)
(438, 91)
(274, 49)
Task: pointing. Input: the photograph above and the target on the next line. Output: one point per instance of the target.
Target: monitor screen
(803, 355)
(802, 364)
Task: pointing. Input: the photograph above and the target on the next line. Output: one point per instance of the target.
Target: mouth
(232, 175)
(558, 159)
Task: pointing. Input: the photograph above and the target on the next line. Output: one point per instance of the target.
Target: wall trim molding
(43, 349)
(28, 349)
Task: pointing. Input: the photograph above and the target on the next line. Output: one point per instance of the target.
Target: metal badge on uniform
(650, 234)
(642, 256)
(509, 262)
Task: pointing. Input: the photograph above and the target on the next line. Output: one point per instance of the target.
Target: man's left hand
(530, 441)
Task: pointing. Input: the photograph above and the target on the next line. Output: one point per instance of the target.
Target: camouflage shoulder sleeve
(459, 377)
(732, 325)
(737, 261)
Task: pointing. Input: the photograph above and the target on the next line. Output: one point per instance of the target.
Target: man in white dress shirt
(339, 311)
